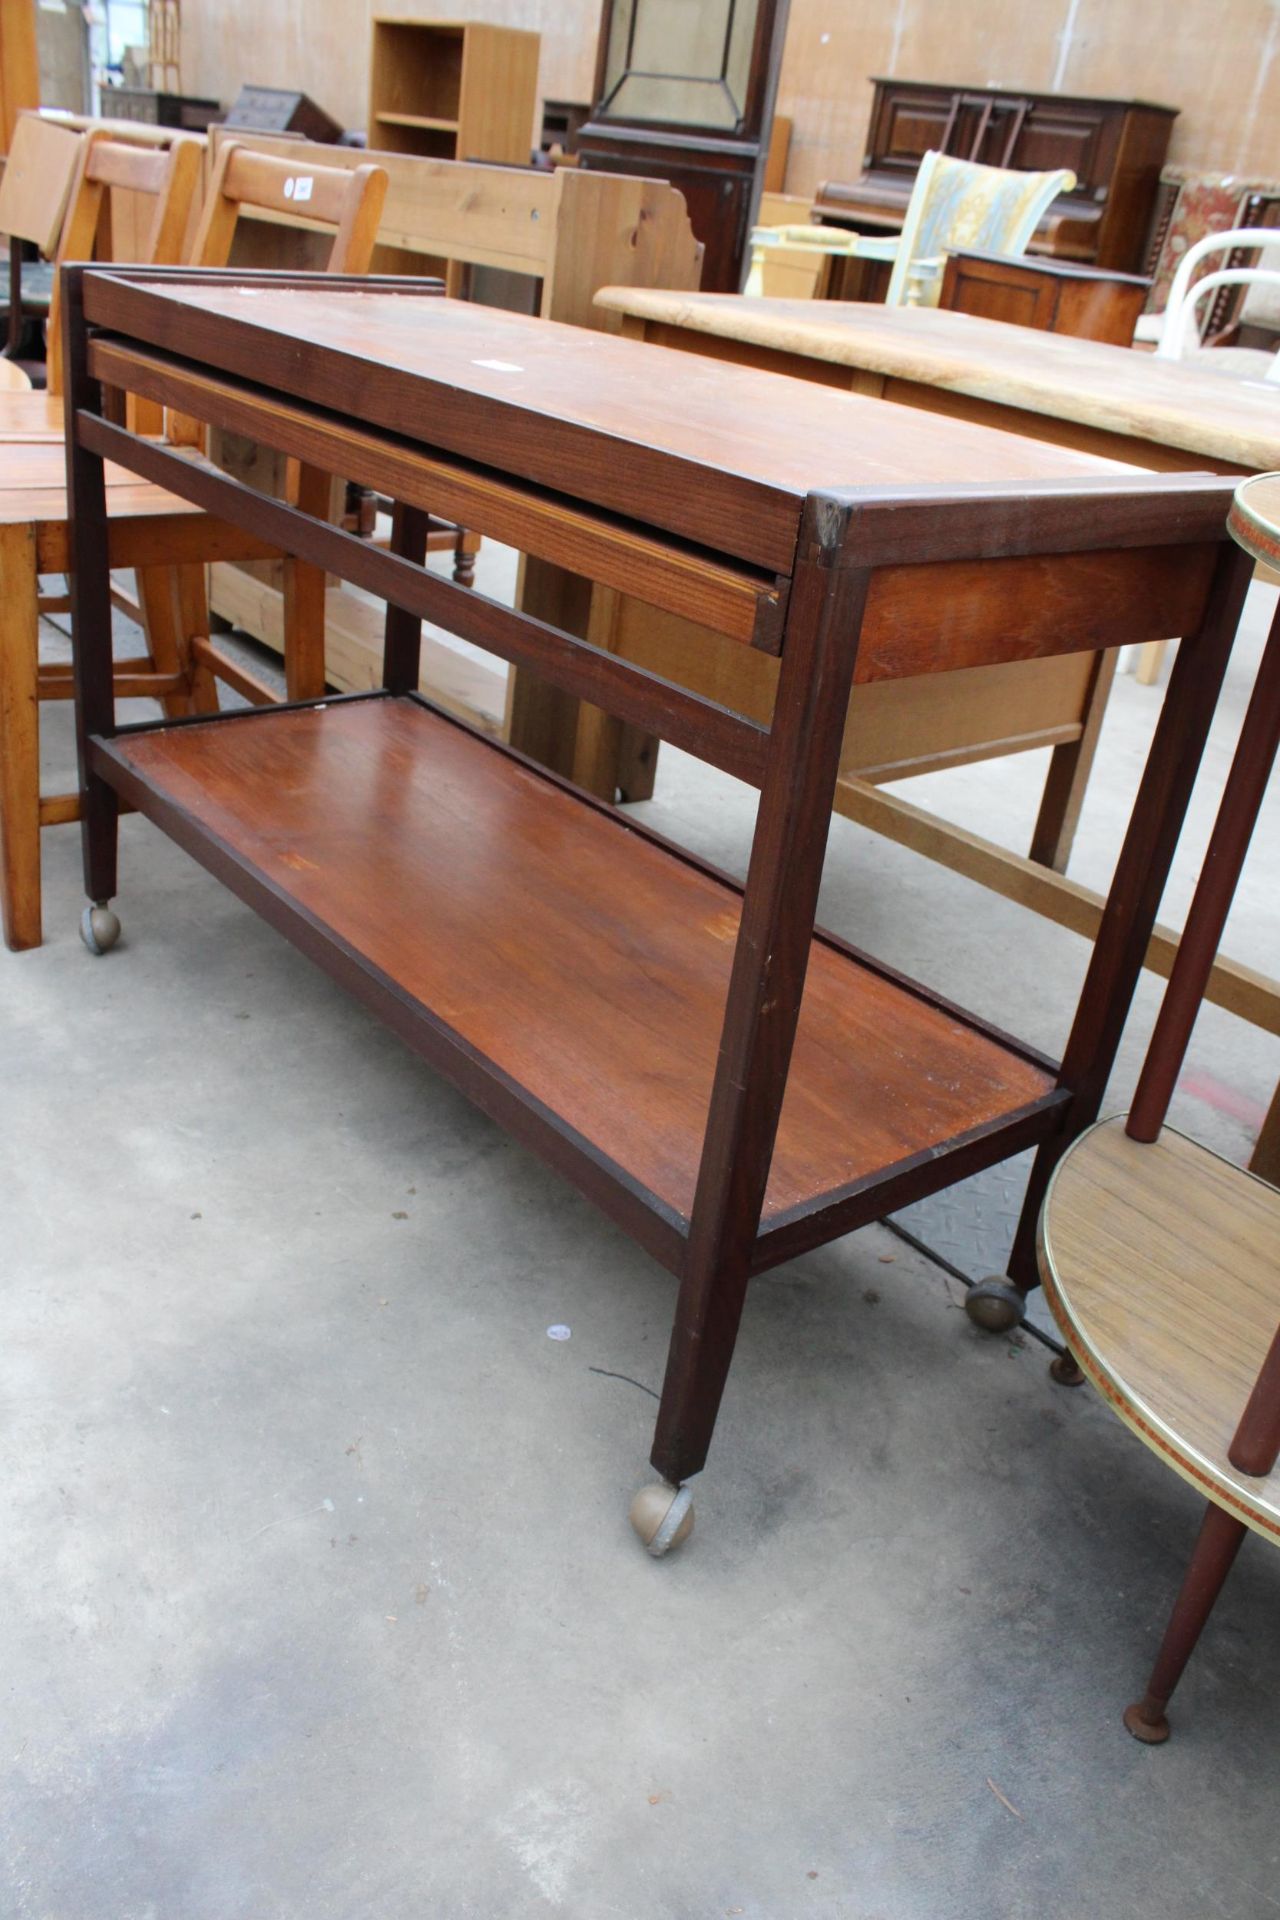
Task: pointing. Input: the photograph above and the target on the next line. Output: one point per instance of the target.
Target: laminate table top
(1110, 389)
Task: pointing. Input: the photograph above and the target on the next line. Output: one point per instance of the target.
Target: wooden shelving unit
(453, 90)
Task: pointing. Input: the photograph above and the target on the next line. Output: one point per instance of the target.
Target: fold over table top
(713, 453)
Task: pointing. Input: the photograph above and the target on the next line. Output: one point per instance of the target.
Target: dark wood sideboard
(1115, 148)
(1056, 296)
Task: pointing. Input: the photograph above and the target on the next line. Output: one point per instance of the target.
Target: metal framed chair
(1160, 1260)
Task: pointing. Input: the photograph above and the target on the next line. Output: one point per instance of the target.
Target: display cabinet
(686, 94)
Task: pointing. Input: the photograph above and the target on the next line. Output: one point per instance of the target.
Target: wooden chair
(168, 177)
(33, 202)
(167, 545)
(1161, 1261)
(248, 182)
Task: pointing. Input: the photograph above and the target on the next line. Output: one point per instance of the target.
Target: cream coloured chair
(954, 204)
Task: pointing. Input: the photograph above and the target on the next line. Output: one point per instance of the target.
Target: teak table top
(720, 455)
(1113, 389)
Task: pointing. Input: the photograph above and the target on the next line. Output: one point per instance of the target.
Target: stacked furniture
(565, 234)
(953, 202)
(1191, 205)
(1115, 149)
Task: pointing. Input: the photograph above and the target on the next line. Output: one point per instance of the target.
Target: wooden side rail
(738, 602)
(727, 740)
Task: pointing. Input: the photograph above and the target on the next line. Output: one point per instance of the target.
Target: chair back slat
(351, 201)
(170, 176)
(137, 169)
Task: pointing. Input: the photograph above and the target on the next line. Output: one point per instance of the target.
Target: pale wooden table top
(1110, 388)
(1160, 1265)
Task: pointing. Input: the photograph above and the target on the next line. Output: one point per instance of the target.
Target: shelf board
(418, 120)
(567, 959)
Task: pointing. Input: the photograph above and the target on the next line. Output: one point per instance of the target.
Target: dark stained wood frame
(843, 552)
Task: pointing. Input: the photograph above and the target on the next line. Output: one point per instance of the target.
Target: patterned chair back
(957, 203)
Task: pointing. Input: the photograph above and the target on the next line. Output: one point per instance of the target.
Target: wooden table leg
(304, 595)
(609, 758)
(1221, 1535)
(19, 739)
(1069, 769)
(1266, 1151)
(161, 610)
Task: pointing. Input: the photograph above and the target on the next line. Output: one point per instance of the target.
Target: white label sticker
(299, 189)
(499, 366)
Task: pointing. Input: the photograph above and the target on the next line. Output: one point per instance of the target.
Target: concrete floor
(319, 1597)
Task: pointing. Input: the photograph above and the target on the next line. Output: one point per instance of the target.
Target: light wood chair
(167, 545)
(1160, 1260)
(38, 173)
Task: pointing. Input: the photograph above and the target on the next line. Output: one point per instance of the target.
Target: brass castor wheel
(99, 927)
(662, 1516)
(1146, 1722)
(995, 1305)
(1065, 1370)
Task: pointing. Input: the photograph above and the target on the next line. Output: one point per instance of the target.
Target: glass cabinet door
(679, 63)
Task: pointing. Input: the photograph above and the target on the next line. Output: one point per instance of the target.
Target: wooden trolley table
(730, 1084)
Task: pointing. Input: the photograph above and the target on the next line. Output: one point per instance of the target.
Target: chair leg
(464, 558)
(158, 610)
(1215, 1551)
(19, 739)
(191, 589)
